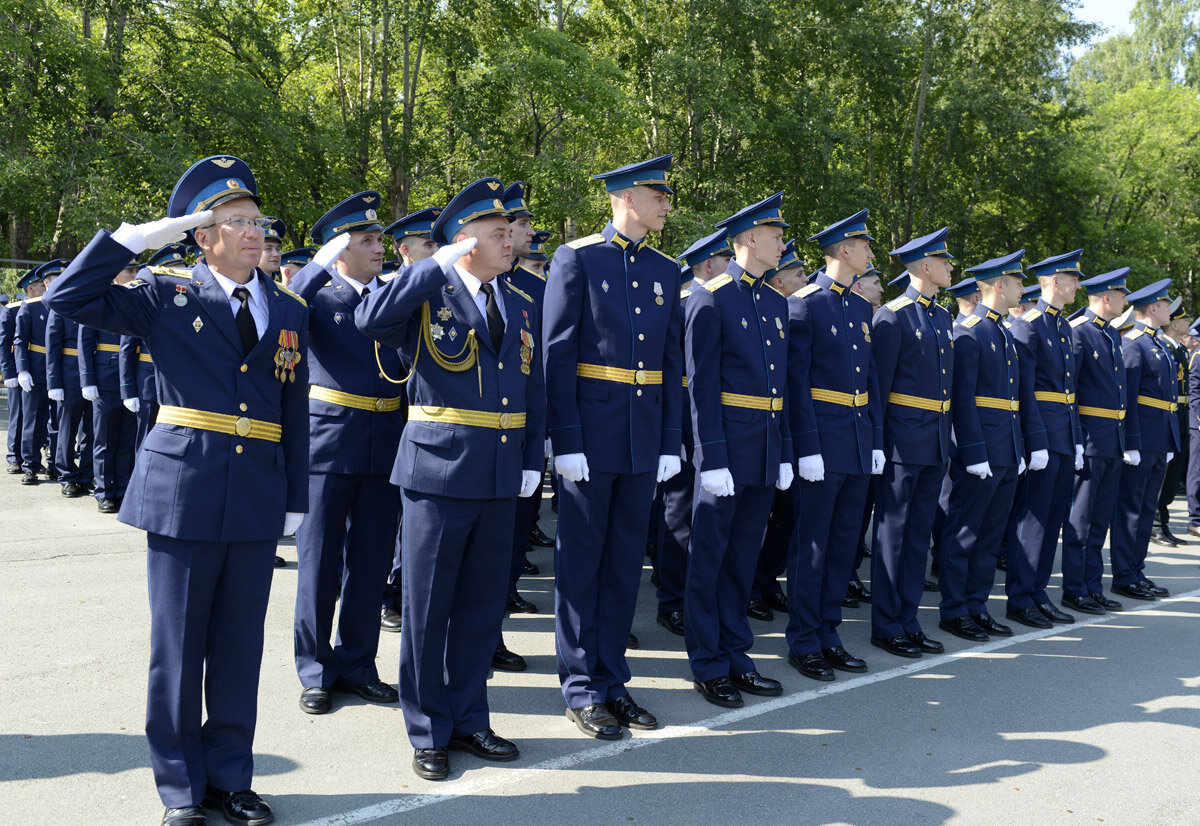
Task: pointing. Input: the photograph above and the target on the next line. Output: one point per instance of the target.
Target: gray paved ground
(1092, 723)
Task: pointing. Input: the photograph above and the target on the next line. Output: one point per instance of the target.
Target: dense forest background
(993, 116)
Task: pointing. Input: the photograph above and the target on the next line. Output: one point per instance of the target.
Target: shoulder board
(528, 271)
(33, 300)
(137, 282)
(1192, 360)
(1131, 335)
(776, 289)
(286, 291)
(717, 283)
(520, 292)
(663, 254)
(806, 291)
(12, 304)
(861, 298)
(178, 272)
(897, 303)
(1007, 323)
(684, 293)
(1031, 315)
(586, 241)
(943, 309)
(972, 321)
(1078, 321)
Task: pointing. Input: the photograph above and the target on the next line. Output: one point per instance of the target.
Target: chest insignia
(1095, 354)
(337, 318)
(526, 314)
(833, 329)
(197, 325)
(658, 293)
(993, 346)
(866, 328)
(436, 331)
(745, 326)
(453, 333)
(444, 314)
(604, 286)
(779, 326)
(180, 295)
(918, 335)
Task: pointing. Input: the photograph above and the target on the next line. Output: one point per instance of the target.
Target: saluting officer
(29, 350)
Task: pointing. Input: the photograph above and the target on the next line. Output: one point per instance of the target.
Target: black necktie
(495, 321)
(245, 322)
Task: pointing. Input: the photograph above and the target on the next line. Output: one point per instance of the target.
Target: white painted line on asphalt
(408, 803)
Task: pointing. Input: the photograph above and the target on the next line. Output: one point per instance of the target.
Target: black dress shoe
(1053, 614)
(633, 641)
(1106, 603)
(1001, 562)
(14, 469)
(431, 764)
(988, 623)
(930, 586)
(777, 601)
(630, 714)
(672, 621)
(754, 683)
(720, 692)
(373, 691)
(857, 590)
(757, 609)
(107, 506)
(923, 642)
(529, 569)
(517, 604)
(596, 720)
(280, 562)
(843, 660)
(315, 701)
(1166, 530)
(813, 666)
(390, 620)
(486, 744)
(900, 645)
(864, 550)
(1157, 590)
(849, 601)
(964, 627)
(71, 490)
(187, 816)
(505, 660)
(1026, 616)
(239, 807)
(538, 537)
(51, 474)
(30, 478)
(1083, 604)
(1134, 591)
(1163, 538)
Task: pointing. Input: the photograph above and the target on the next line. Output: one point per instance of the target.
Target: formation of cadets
(399, 417)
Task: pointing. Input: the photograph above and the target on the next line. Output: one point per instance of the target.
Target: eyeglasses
(240, 223)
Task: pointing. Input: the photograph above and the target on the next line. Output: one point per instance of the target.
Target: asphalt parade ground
(1097, 722)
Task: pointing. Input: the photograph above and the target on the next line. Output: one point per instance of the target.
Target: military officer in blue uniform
(1151, 440)
(735, 346)
(833, 410)
(913, 351)
(966, 297)
(272, 248)
(8, 367)
(29, 351)
(223, 474)
(614, 378)
(1172, 336)
(988, 452)
(1193, 437)
(536, 259)
(139, 392)
(473, 443)
(73, 413)
(292, 261)
(412, 235)
(344, 548)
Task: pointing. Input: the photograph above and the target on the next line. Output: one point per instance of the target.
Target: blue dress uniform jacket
(136, 369)
(29, 351)
(533, 284)
(73, 451)
(113, 426)
(1193, 438)
(8, 368)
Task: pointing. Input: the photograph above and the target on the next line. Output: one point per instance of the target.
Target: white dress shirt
(472, 284)
(258, 301)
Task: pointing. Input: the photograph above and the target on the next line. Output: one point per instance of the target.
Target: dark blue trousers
(726, 538)
(115, 431)
(208, 601)
(527, 510)
(348, 536)
(1011, 543)
(35, 414)
(456, 560)
(393, 589)
(772, 560)
(939, 518)
(1193, 475)
(978, 512)
(602, 527)
(676, 535)
(1093, 506)
(906, 503)
(73, 453)
(14, 426)
(1137, 496)
(1031, 558)
(820, 559)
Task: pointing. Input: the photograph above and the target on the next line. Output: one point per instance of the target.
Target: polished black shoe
(1106, 603)
(930, 586)
(857, 590)
(1166, 530)
(1026, 616)
(672, 621)
(632, 642)
(1157, 590)
(630, 714)
(1164, 538)
(390, 620)
(864, 549)
(505, 660)
(431, 764)
(187, 816)
(964, 627)
(1053, 614)
(486, 744)
(849, 601)
(315, 701)
(280, 562)
(1001, 562)
(1134, 591)
(373, 691)
(1084, 605)
(813, 666)
(517, 604)
(51, 474)
(720, 692)
(988, 623)
(538, 537)
(923, 642)
(71, 490)
(107, 506)
(757, 609)
(900, 645)
(529, 569)
(776, 601)
(30, 478)
(596, 721)
(754, 683)
(843, 660)
(239, 807)
(15, 469)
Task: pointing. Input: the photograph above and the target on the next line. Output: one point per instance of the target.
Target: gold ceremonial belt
(108, 348)
(472, 418)
(855, 399)
(37, 348)
(1161, 404)
(920, 402)
(70, 351)
(145, 357)
(220, 423)
(752, 402)
(1051, 396)
(619, 374)
(1101, 412)
(370, 403)
(685, 381)
(997, 404)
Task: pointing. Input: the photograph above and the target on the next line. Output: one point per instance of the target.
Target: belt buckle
(242, 426)
(639, 377)
(380, 405)
(856, 397)
(505, 421)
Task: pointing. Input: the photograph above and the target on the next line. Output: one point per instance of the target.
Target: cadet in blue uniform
(1172, 336)
(1010, 544)
(221, 476)
(292, 261)
(988, 452)
(344, 548)
(834, 415)
(474, 442)
(1151, 439)
(269, 261)
(29, 351)
(139, 392)
(735, 345)
(73, 454)
(913, 351)
(1193, 438)
(8, 367)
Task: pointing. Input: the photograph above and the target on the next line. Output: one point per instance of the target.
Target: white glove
(983, 470)
(877, 462)
(668, 466)
(786, 475)
(530, 479)
(1039, 459)
(1020, 465)
(25, 380)
(138, 238)
(447, 255)
(1132, 457)
(291, 523)
(811, 468)
(10, 383)
(133, 405)
(57, 395)
(717, 482)
(1170, 456)
(1079, 457)
(573, 467)
(91, 392)
(326, 255)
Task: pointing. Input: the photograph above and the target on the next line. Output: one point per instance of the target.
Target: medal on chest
(180, 295)
(287, 356)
